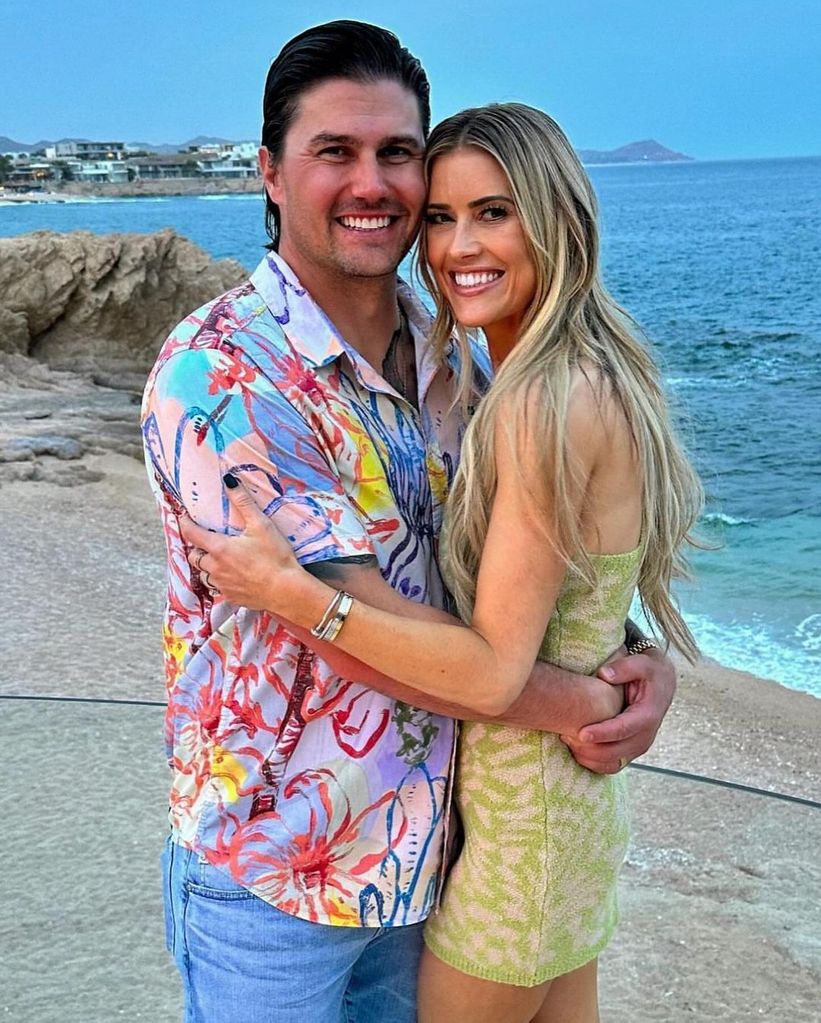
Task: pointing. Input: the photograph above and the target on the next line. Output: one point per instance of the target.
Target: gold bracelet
(334, 627)
(328, 616)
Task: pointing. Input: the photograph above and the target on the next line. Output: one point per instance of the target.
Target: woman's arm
(246, 568)
(486, 666)
(554, 700)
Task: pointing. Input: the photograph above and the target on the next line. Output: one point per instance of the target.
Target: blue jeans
(243, 961)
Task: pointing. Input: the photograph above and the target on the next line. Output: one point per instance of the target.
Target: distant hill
(648, 151)
(8, 145)
(163, 148)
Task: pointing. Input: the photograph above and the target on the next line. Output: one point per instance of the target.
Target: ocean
(721, 264)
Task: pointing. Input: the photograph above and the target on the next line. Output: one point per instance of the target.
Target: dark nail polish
(230, 481)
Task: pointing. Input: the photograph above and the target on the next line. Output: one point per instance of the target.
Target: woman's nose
(464, 241)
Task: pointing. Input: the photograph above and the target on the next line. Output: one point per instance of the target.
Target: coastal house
(227, 160)
(29, 175)
(90, 151)
(114, 171)
(230, 160)
(152, 168)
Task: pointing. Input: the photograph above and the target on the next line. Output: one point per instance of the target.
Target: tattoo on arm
(333, 570)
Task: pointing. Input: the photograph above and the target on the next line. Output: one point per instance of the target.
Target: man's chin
(369, 268)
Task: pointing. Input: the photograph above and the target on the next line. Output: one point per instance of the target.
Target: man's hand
(650, 684)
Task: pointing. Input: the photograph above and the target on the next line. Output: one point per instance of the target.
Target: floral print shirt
(322, 796)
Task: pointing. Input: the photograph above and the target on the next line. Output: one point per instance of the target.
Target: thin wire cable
(79, 699)
(703, 779)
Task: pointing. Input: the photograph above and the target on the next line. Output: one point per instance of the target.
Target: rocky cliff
(82, 317)
(101, 303)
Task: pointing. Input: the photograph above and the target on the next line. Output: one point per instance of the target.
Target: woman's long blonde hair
(572, 324)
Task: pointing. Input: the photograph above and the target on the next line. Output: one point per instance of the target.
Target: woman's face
(476, 246)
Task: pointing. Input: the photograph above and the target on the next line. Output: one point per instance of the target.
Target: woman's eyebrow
(489, 198)
(474, 203)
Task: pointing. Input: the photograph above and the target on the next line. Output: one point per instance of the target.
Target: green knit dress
(533, 893)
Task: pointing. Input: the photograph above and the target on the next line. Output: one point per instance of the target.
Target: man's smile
(366, 222)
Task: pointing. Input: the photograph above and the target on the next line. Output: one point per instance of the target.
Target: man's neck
(363, 309)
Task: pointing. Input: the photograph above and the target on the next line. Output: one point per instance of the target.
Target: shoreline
(66, 191)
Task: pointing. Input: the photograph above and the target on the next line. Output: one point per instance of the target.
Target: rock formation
(103, 303)
(82, 317)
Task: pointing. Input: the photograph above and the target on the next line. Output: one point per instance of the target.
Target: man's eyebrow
(411, 141)
(329, 138)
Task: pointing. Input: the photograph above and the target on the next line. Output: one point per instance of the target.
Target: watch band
(641, 646)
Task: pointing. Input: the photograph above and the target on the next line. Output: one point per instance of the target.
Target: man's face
(349, 185)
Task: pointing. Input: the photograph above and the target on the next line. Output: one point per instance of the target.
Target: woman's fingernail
(608, 674)
(230, 480)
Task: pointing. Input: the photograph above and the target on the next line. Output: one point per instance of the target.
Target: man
(310, 803)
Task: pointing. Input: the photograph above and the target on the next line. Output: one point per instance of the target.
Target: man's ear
(270, 174)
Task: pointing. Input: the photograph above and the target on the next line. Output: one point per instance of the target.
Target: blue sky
(712, 78)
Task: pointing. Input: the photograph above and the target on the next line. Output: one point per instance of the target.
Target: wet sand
(721, 890)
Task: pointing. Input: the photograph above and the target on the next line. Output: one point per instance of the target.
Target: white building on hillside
(86, 151)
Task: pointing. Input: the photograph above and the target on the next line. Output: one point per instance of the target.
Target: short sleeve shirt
(322, 796)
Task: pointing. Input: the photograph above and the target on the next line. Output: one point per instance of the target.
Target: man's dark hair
(339, 49)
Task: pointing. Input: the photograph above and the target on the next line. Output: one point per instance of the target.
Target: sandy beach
(720, 893)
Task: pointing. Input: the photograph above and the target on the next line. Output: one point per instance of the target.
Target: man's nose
(369, 179)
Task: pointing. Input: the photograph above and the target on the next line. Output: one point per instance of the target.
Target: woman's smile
(474, 282)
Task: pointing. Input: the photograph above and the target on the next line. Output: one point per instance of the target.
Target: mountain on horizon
(646, 151)
(8, 145)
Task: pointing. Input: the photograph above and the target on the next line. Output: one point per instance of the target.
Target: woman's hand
(251, 569)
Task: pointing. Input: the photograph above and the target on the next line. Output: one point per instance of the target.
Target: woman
(572, 491)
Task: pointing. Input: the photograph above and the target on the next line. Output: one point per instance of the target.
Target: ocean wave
(722, 519)
(789, 657)
(714, 382)
(791, 660)
(786, 335)
(808, 633)
(244, 196)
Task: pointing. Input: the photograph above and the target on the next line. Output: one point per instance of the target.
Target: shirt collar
(317, 340)
(306, 326)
